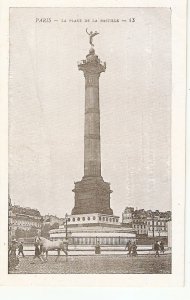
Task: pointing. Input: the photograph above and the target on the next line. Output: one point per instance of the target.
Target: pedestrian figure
(13, 258)
(37, 253)
(97, 248)
(134, 249)
(20, 249)
(157, 248)
(162, 247)
(129, 247)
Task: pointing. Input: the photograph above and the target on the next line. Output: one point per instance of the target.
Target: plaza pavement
(97, 264)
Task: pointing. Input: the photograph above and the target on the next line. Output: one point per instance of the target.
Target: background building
(139, 221)
(24, 222)
(149, 223)
(10, 229)
(157, 223)
(127, 216)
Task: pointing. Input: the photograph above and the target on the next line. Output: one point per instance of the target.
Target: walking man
(37, 253)
(97, 248)
(129, 247)
(20, 249)
(134, 249)
(162, 247)
(157, 248)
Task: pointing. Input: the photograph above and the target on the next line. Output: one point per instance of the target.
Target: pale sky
(46, 106)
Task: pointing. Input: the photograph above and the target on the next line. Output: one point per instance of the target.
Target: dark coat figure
(134, 249)
(162, 247)
(20, 249)
(129, 247)
(13, 258)
(37, 252)
(97, 248)
(157, 248)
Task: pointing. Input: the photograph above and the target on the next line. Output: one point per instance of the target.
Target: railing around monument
(106, 241)
(84, 61)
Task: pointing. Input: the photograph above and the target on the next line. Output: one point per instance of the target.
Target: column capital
(92, 64)
(92, 69)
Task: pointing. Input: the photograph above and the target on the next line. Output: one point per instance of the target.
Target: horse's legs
(58, 254)
(41, 256)
(46, 255)
(66, 253)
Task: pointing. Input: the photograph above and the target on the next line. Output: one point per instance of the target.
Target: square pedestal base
(92, 195)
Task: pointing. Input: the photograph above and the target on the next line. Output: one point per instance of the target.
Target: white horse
(47, 245)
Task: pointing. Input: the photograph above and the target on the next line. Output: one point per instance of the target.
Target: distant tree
(45, 231)
(20, 233)
(54, 226)
(32, 232)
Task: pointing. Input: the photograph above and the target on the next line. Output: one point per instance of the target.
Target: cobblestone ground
(100, 264)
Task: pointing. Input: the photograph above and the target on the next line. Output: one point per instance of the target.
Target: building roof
(25, 211)
(141, 213)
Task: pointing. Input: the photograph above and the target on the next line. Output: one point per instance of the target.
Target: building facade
(149, 223)
(10, 229)
(23, 219)
(139, 221)
(157, 224)
(127, 216)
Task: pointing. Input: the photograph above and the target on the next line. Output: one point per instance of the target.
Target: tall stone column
(92, 157)
(92, 194)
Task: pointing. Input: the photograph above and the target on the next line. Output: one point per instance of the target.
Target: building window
(78, 219)
(100, 218)
(106, 219)
(73, 219)
(83, 218)
(94, 218)
(68, 219)
(116, 220)
(88, 218)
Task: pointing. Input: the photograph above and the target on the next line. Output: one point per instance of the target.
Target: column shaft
(92, 156)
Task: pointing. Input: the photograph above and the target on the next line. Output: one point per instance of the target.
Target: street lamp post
(66, 234)
(153, 224)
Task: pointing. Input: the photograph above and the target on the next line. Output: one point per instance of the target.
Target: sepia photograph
(90, 97)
